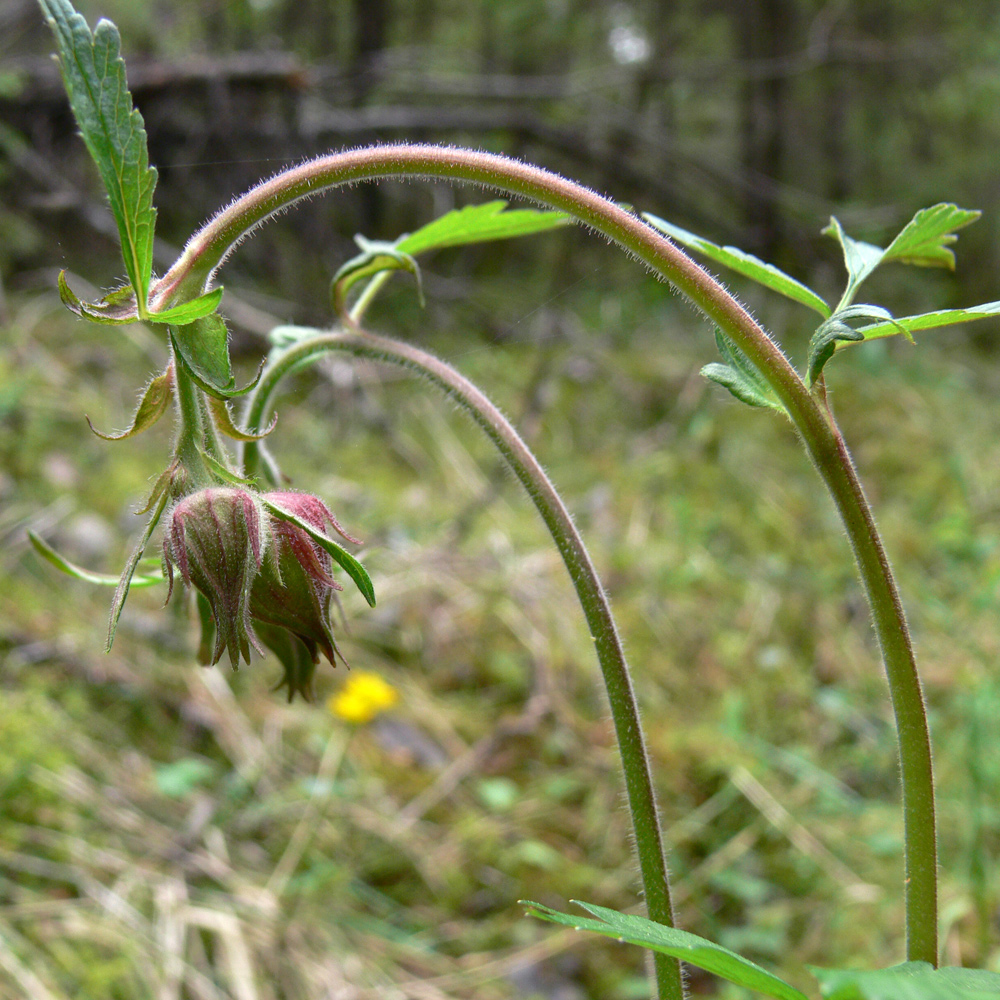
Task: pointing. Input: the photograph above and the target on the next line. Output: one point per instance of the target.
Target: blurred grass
(173, 832)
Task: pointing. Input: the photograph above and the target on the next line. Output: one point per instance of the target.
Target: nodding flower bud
(217, 539)
(294, 587)
(265, 580)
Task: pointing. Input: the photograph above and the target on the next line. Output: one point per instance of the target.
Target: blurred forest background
(172, 832)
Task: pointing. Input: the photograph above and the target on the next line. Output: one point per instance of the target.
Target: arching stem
(596, 607)
(206, 251)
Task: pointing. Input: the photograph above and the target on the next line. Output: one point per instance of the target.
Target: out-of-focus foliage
(751, 123)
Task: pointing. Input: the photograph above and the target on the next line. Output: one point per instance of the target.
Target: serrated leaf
(744, 263)
(860, 259)
(478, 224)
(188, 312)
(680, 944)
(740, 377)
(340, 555)
(909, 981)
(203, 347)
(375, 256)
(94, 75)
(224, 421)
(125, 581)
(154, 403)
(931, 320)
(925, 239)
(117, 308)
(62, 564)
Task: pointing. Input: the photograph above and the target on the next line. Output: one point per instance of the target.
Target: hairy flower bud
(294, 587)
(217, 538)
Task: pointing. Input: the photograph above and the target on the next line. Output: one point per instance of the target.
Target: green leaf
(163, 483)
(203, 347)
(742, 388)
(909, 981)
(224, 473)
(354, 569)
(154, 403)
(375, 256)
(224, 421)
(670, 941)
(188, 312)
(121, 592)
(744, 263)
(837, 329)
(94, 75)
(931, 320)
(925, 239)
(860, 259)
(117, 308)
(62, 564)
(740, 377)
(478, 224)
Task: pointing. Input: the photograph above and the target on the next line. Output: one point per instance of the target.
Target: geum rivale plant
(260, 560)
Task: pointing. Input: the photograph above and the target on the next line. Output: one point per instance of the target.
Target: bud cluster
(266, 581)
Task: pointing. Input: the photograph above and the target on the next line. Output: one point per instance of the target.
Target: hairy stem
(191, 422)
(194, 270)
(596, 607)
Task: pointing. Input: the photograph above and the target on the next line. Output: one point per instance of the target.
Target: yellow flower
(362, 697)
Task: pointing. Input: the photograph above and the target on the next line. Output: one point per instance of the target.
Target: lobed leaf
(925, 239)
(931, 320)
(860, 258)
(478, 224)
(744, 263)
(909, 981)
(680, 944)
(94, 75)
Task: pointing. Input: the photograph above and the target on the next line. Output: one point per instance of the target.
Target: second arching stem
(596, 607)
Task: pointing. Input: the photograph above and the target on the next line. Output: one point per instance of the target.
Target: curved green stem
(206, 251)
(596, 607)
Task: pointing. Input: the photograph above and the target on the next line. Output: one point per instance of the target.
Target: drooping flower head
(294, 588)
(264, 579)
(217, 538)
